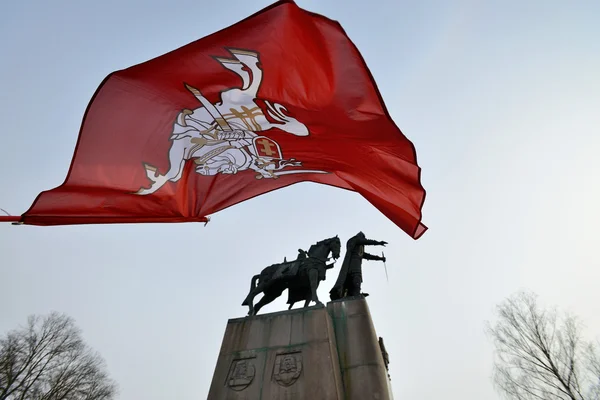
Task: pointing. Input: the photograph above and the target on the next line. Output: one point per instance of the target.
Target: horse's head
(335, 246)
(324, 247)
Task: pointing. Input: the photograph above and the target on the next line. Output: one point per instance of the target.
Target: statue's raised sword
(385, 266)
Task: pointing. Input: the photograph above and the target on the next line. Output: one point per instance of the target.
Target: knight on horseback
(301, 277)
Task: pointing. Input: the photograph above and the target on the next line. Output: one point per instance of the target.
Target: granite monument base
(316, 353)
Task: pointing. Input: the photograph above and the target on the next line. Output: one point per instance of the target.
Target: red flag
(281, 97)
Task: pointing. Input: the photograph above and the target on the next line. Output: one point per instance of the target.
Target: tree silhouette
(48, 360)
(540, 355)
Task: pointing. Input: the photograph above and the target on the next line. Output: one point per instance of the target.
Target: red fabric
(309, 66)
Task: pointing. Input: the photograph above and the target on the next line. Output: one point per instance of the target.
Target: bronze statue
(350, 278)
(301, 277)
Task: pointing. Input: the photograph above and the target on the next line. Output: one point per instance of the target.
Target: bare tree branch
(540, 356)
(48, 360)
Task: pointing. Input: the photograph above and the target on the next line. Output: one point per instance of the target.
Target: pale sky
(500, 98)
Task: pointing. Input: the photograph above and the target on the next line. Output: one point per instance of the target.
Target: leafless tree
(541, 355)
(48, 360)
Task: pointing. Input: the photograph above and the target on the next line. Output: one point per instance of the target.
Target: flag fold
(279, 98)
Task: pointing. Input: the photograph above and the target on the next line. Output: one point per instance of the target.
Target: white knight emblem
(222, 137)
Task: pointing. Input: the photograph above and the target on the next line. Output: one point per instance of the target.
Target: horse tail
(253, 282)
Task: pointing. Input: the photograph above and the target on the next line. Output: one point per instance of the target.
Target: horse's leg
(254, 290)
(291, 305)
(251, 62)
(249, 301)
(313, 278)
(269, 296)
(266, 299)
(176, 161)
(307, 302)
(261, 288)
(253, 285)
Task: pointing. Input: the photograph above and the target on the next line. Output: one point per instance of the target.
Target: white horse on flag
(225, 137)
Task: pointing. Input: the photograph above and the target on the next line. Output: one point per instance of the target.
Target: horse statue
(301, 277)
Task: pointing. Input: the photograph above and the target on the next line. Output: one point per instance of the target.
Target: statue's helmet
(361, 234)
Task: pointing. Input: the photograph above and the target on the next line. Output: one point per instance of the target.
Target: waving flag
(279, 98)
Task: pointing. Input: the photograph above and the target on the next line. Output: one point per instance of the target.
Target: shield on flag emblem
(266, 147)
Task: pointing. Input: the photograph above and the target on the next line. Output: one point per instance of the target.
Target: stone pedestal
(361, 362)
(314, 353)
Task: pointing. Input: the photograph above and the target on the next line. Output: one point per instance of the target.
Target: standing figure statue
(350, 278)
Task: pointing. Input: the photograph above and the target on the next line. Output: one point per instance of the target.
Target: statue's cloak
(337, 292)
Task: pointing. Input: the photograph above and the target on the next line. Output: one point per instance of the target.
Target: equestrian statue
(301, 277)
